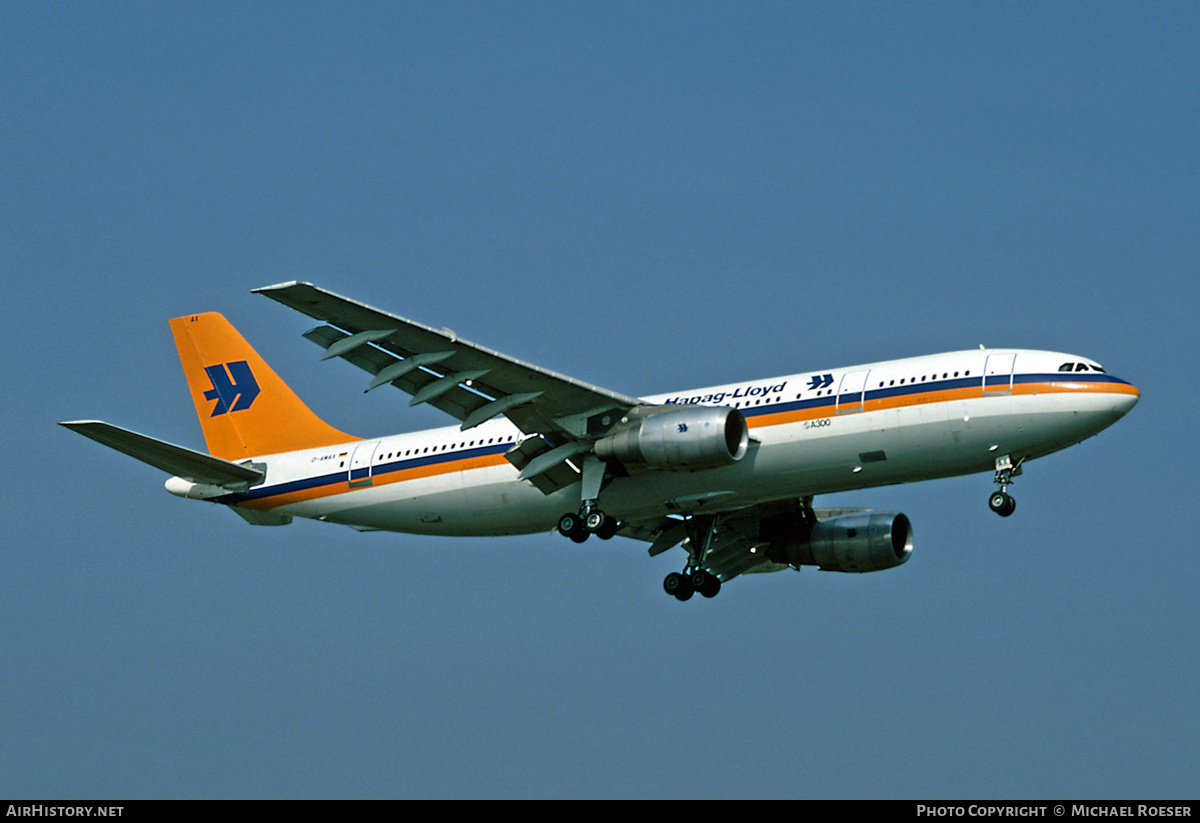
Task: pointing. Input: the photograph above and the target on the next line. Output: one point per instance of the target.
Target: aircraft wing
(468, 381)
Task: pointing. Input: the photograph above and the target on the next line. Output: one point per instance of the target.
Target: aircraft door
(851, 391)
(360, 464)
(998, 374)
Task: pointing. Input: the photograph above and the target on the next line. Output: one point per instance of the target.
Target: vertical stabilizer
(245, 409)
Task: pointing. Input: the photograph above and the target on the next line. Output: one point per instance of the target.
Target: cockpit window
(1081, 367)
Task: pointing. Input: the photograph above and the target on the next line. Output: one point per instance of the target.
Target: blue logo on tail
(234, 387)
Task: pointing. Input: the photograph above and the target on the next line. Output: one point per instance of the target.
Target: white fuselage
(813, 433)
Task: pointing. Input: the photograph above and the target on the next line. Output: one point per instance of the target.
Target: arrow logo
(234, 389)
(820, 381)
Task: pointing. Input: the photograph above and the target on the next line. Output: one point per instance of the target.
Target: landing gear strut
(694, 577)
(590, 519)
(1001, 502)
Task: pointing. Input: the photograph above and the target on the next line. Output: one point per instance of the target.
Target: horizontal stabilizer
(186, 463)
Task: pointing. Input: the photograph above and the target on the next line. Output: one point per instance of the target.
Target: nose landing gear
(1001, 502)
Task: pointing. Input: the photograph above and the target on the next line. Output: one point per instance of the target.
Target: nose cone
(1112, 405)
(1096, 405)
(1126, 400)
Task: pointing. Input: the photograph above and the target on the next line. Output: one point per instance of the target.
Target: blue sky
(650, 197)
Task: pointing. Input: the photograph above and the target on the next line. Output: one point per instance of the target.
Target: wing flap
(546, 474)
(739, 557)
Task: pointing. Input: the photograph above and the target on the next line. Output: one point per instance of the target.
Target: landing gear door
(360, 464)
(998, 374)
(851, 391)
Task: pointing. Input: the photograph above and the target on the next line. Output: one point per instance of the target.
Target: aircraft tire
(571, 525)
(596, 521)
(678, 586)
(609, 529)
(1002, 504)
(567, 524)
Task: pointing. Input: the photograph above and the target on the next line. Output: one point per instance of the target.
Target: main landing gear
(590, 520)
(683, 586)
(1001, 502)
(579, 527)
(694, 577)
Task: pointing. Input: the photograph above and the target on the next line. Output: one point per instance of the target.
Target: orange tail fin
(245, 409)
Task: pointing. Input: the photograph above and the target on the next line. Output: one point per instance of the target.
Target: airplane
(727, 473)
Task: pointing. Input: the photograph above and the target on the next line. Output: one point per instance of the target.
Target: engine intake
(860, 542)
(680, 439)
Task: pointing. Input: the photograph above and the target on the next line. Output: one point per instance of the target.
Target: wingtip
(279, 286)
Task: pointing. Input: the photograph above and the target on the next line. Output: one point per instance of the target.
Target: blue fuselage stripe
(829, 401)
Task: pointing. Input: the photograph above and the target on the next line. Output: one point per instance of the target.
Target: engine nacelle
(859, 542)
(692, 438)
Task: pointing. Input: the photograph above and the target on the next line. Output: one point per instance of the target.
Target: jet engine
(692, 438)
(861, 542)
